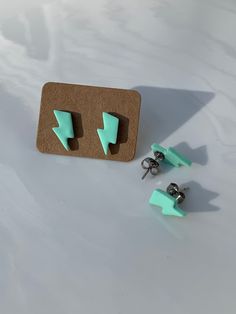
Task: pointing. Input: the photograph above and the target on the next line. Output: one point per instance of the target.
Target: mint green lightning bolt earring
(109, 133)
(169, 200)
(65, 128)
(171, 156)
(168, 155)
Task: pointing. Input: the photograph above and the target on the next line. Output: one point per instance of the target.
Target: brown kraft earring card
(86, 104)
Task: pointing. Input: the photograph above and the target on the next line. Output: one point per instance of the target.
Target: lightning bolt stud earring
(171, 156)
(169, 200)
(65, 128)
(109, 133)
(168, 155)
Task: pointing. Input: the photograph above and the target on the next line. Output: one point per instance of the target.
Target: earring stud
(109, 133)
(168, 155)
(172, 156)
(65, 127)
(169, 200)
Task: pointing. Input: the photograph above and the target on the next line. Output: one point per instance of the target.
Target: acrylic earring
(64, 131)
(171, 156)
(109, 133)
(169, 200)
(168, 155)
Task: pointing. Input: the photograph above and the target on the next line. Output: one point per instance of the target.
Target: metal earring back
(151, 165)
(178, 193)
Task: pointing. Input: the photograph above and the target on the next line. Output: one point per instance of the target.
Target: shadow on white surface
(29, 30)
(17, 126)
(163, 111)
(198, 199)
(197, 155)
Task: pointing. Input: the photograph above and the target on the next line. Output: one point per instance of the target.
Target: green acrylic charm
(109, 133)
(167, 202)
(172, 156)
(65, 128)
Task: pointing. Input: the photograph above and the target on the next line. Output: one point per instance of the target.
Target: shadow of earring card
(86, 105)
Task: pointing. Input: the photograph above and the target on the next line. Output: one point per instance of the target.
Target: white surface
(78, 235)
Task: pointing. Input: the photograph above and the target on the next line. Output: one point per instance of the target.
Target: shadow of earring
(78, 131)
(123, 133)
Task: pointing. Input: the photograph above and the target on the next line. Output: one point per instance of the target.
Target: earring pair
(168, 200)
(65, 130)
